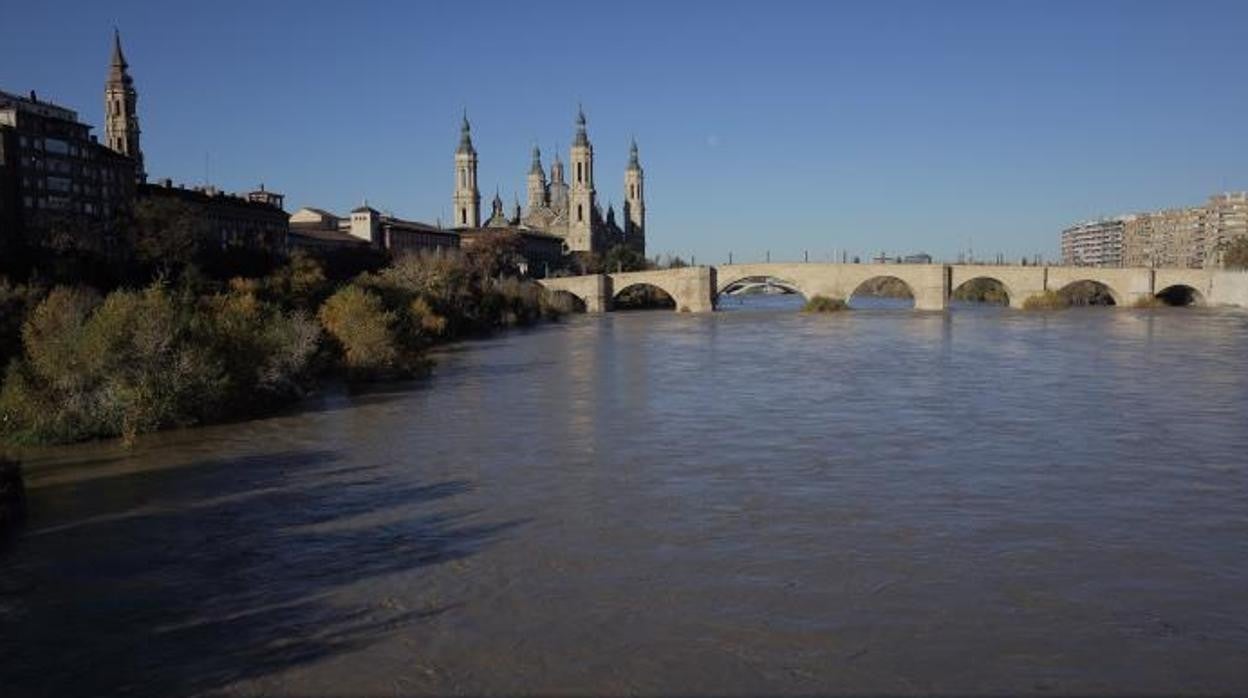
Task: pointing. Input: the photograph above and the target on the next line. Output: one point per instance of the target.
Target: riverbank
(192, 351)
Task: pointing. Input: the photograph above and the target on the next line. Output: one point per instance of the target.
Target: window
(580, 214)
(463, 216)
(56, 146)
(579, 177)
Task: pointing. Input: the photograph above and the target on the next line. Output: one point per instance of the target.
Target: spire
(581, 137)
(465, 136)
(536, 168)
(633, 162)
(119, 58)
(498, 201)
(117, 67)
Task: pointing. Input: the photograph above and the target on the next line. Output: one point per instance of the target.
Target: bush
(1046, 300)
(138, 361)
(364, 329)
(824, 304)
(125, 366)
(15, 303)
(264, 352)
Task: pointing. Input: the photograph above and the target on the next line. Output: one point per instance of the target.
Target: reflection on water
(757, 501)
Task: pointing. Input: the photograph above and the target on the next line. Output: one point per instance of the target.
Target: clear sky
(780, 126)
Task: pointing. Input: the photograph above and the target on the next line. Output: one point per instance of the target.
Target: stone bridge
(695, 289)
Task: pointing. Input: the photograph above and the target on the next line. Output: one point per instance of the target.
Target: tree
(495, 255)
(623, 258)
(168, 235)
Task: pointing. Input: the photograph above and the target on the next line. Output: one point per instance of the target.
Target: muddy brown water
(755, 501)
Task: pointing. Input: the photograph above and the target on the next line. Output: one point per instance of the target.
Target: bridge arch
(643, 295)
(1180, 295)
(1096, 286)
(986, 288)
(567, 301)
(743, 283)
(884, 286)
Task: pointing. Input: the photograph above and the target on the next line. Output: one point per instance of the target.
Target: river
(982, 501)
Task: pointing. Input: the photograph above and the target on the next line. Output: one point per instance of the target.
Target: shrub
(120, 367)
(15, 303)
(363, 328)
(264, 352)
(824, 304)
(1046, 300)
(1144, 302)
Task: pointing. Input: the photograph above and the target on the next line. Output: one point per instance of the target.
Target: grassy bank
(186, 350)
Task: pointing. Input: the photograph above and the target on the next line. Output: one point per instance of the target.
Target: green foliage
(119, 367)
(622, 258)
(495, 256)
(143, 360)
(1046, 300)
(193, 349)
(15, 303)
(168, 234)
(824, 304)
(299, 284)
(1147, 302)
(357, 319)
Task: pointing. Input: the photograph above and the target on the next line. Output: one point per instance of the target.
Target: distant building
(314, 228)
(920, 258)
(1225, 219)
(1192, 237)
(55, 178)
(1094, 243)
(255, 220)
(396, 235)
(569, 211)
(317, 229)
(1170, 238)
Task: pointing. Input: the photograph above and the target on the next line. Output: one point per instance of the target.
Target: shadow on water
(184, 580)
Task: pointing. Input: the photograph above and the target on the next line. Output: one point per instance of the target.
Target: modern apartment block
(1170, 238)
(55, 178)
(1191, 238)
(1094, 243)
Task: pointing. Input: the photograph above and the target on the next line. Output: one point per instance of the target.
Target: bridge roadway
(696, 289)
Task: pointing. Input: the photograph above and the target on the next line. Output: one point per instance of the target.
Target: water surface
(984, 501)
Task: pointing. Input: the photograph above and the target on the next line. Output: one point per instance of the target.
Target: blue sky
(781, 126)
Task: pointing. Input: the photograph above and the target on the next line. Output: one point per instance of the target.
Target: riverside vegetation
(186, 348)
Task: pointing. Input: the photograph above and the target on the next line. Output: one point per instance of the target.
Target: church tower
(581, 195)
(121, 115)
(635, 202)
(467, 198)
(537, 182)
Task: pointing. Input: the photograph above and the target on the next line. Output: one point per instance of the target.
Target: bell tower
(581, 193)
(121, 115)
(635, 202)
(467, 199)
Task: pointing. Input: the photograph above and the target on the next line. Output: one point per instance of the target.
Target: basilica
(565, 209)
